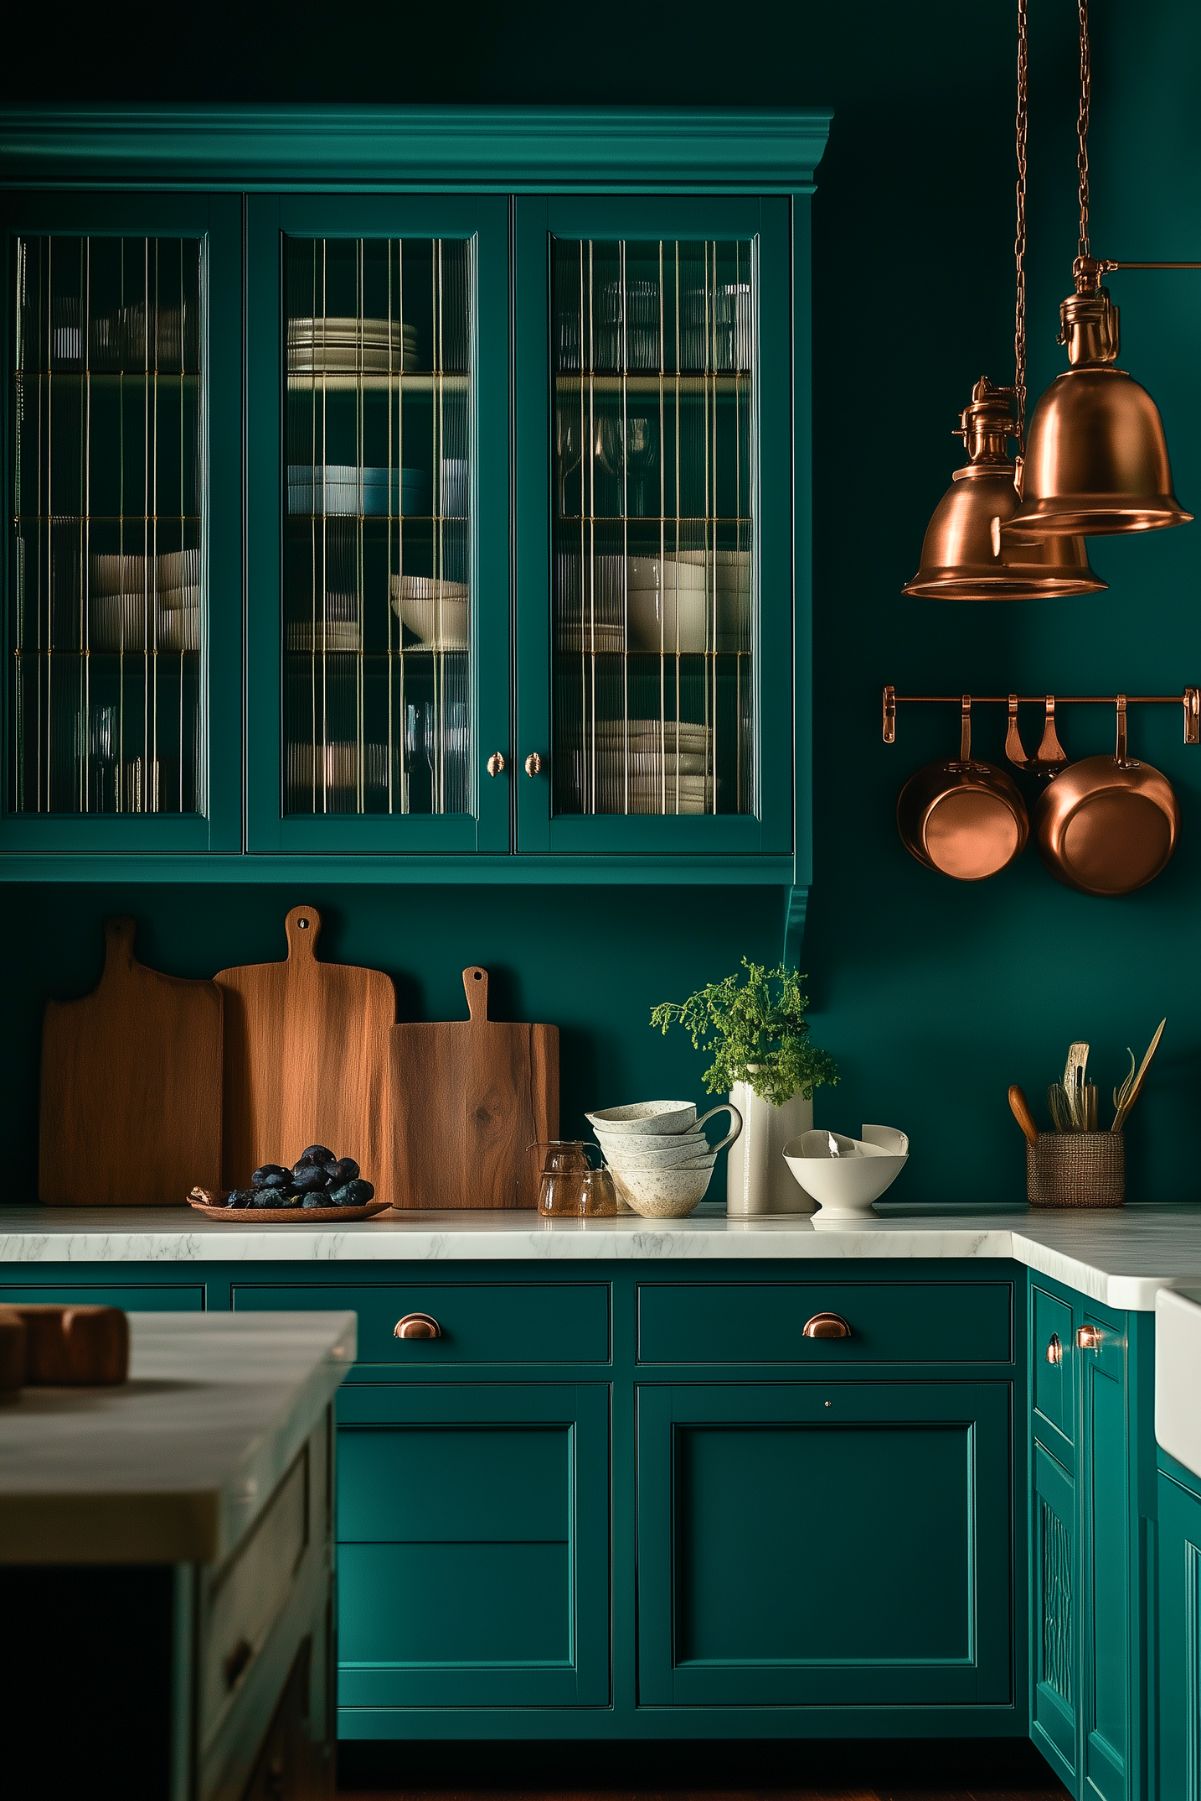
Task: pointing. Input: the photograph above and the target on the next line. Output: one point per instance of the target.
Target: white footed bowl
(845, 1175)
(662, 1193)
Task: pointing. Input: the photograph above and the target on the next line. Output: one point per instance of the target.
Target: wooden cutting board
(131, 1086)
(468, 1099)
(306, 1056)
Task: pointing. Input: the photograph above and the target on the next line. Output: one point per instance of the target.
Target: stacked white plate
(435, 610)
(344, 344)
(668, 763)
(336, 765)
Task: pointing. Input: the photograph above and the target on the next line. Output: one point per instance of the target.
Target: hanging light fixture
(1097, 459)
(964, 556)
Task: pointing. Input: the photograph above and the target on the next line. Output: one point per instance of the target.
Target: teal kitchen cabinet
(824, 1544)
(134, 1297)
(120, 317)
(1179, 1631)
(473, 1532)
(495, 431)
(1091, 1527)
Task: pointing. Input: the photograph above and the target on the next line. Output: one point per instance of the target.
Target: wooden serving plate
(286, 1216)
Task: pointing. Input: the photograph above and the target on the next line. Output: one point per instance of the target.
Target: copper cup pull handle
(1054, 1349)
(496, 763)
(417, 1325)
(1088, 1338)
(826, 1325)
(533, 763)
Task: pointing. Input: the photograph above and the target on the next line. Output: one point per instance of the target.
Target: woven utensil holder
(1076, 1169)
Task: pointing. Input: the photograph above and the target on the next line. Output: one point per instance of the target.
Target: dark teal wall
(934, 996)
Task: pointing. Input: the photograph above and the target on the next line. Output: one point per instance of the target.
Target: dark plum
(362, 1192)
(270, 1175)
(307, 1177)
(341, 1169)
(316, 1153)
(318, 1198)
(242, 1197)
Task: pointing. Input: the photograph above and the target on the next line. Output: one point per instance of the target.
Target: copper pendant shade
(1097, 459)
(963, 555)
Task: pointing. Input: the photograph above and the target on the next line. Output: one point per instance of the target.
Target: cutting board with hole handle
(306, 1059)
(131, 1086)
(469, 1097)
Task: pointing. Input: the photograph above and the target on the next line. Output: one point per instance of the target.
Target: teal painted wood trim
(707, 1636)
(1179, 1640)
(515, 147)
(766, 225)
(1055, 1615)
(414, 870)
(1177, 1472)
(796, 915)
(802, 550)
(483, 221)
(216, 221)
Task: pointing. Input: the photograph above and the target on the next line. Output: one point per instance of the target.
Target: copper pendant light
(964, 557)
(1097, 460)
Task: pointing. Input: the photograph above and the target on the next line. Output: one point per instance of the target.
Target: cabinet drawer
(763, 1322)
(1052, 1367)
(247, 1596)
(481, 1323)
(166, 1298)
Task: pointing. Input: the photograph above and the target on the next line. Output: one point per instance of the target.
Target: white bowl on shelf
(846, 1175)
(436, 611)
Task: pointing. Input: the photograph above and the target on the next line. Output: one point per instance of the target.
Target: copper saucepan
(1108, 825)
(963, 818)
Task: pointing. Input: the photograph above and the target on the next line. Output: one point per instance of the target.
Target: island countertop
(175, 1465)
(1120, 1257)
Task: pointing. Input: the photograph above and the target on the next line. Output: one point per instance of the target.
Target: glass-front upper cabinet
(654, 506)
(122, 579)
(378, 505)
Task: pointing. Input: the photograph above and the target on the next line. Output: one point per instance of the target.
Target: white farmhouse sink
(1178, 1374)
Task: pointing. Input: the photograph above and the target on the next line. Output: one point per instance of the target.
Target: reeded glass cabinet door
(121, 576)
(654, 511)
(378, 334)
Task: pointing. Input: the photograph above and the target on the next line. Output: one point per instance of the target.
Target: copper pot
(1108, 825)
(963, 818)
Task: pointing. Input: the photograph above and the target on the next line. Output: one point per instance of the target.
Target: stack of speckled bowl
(660, 1158)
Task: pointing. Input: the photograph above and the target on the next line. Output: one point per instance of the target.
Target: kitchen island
(167, 1541)
(629, 1479)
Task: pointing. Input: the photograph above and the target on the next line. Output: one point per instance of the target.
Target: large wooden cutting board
(306, 1054)
(131, 1087)
(468, 1099)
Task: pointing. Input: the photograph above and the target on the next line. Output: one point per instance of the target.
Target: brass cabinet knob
(1088, 1338)
(417, 1325)
(1054, 1349)
(496, 763)
(533, 764)
(826, 1325)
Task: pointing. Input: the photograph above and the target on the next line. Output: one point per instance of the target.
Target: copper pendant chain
(1021, 127)
(1082, 121)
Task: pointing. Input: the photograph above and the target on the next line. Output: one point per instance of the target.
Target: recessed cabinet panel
(889, 1595)
(473, 1531)
(1054, 1372)
(1055, 1600)
(1179, 1661)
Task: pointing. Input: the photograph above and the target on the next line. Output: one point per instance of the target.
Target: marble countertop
(1120, 1257)
(176, 1464)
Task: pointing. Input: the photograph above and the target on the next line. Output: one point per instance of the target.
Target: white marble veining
(1119, 1257)
(175, 1465)
(1177, 1361)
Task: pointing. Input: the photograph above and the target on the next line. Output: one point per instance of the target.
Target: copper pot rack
(1189, 701)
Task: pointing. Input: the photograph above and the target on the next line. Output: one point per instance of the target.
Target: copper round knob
(826, 1325)
(496, 763)
(1054, 1349)
(1088, 1338)
(533, 764)
(417, 1325)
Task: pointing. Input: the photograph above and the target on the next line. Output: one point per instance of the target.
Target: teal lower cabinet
(473, 1536)
(1179, 1636)
(1092, 1544)
(827, 1543)
(134, 1297)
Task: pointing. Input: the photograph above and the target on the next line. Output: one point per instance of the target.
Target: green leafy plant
(754, 1028)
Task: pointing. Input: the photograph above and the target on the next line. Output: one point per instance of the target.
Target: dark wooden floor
(983, 1772)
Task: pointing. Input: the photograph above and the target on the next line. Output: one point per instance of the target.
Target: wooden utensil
(131, 1086)
(469, 1099)
(68, 1346)
(1136, 1087)
(306, 1049)
(1020, 1109)
(1073, 1082)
